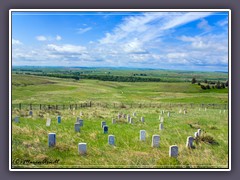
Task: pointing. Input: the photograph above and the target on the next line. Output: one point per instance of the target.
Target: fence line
(114, 105)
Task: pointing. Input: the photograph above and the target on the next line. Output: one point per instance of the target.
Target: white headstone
(105, 129)
(161, 126)
(142, 135)
(155, 140)
(119, 116)
(131, 121)
(81, 114)
(161, 119)
(30, 113)
(134, 114)
(111, 139)
(16, 119)
(168, 114)
(128, 118)
(51, 139)
(199, 132)
(103, 123)
(180, 111)
(82, 148)
(196, 134)
(142, 119)
(48, 123)
(77, 127)
(113, 121)
(184, 112)
(124, 116)
(173, 151)
(189, 143)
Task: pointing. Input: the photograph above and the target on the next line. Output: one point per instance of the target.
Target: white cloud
(66, 48)
(204, 25)
(58, 38)
(83, 30)
(222, 22)
(16, 42)
(41, 38)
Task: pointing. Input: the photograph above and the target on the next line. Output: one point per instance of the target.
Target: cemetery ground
(30, 134)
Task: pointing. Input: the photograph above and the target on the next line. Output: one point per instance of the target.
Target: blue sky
(166, 40)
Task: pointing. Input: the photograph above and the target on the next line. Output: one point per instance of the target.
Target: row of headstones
(82, 147)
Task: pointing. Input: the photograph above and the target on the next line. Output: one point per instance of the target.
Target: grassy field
(30, 136)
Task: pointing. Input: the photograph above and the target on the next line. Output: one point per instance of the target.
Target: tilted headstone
(59, 119)
(113, 121)
(82, 148)
(16, 119)
(105, 129)
(128, 118)
(51, 139)
(173, 151)
(48, 123)
(131, 121)
(103, 123)
(111, 139)
(77, 127)
(155, 140)
(196, 134)
(142, 135)
(142, 119)
(30, 113)
(189, 143)
(161, 126)
(80, 121)
(168, 114)
(199, 132)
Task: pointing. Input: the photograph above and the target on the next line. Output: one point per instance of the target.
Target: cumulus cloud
(58, 38)
(41, 38)
(204, 25)
(16, 42)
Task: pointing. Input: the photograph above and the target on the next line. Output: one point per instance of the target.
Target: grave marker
(161, 119)
(168, 114)
(189, 143)
(16, 119)
(51, 139)
(103, 123)
(82, 148)
(142, 135)
(128, 118)
(199, 132)
(173, 151)
(155, 140)
(134, 114)
(48, 123)
(111, 140)
(161, 126)
(30, 113)
(105, 129)
(196, 134)
(142, 119)
(80, 121)
(59, 119)
(131, 121)
(77, 127)
(113, 121)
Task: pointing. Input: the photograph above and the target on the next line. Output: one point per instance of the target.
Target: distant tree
(199, 83)
(205, 81)
(218, 85)
(222, 85)
(194, 80)
(203, 87)
(226, 84)
(208, 87)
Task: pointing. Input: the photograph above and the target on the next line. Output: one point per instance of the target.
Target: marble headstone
(82, 148)
(199, 132)
(173, 151)
(105, 129)
(51, 139)
(161, 126)
(111, 139)
(155, 140)
(142, 135)
(48, 123)
(59, 119)
(142, 119)
(113, 121)
(77, 127)
(103, 123)
(189, 143)
(16, 119)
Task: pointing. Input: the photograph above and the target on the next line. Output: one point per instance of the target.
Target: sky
(159, 40)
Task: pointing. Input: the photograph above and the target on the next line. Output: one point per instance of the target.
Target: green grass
(30, 136)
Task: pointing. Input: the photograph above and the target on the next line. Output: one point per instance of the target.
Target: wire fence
(118, 105)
